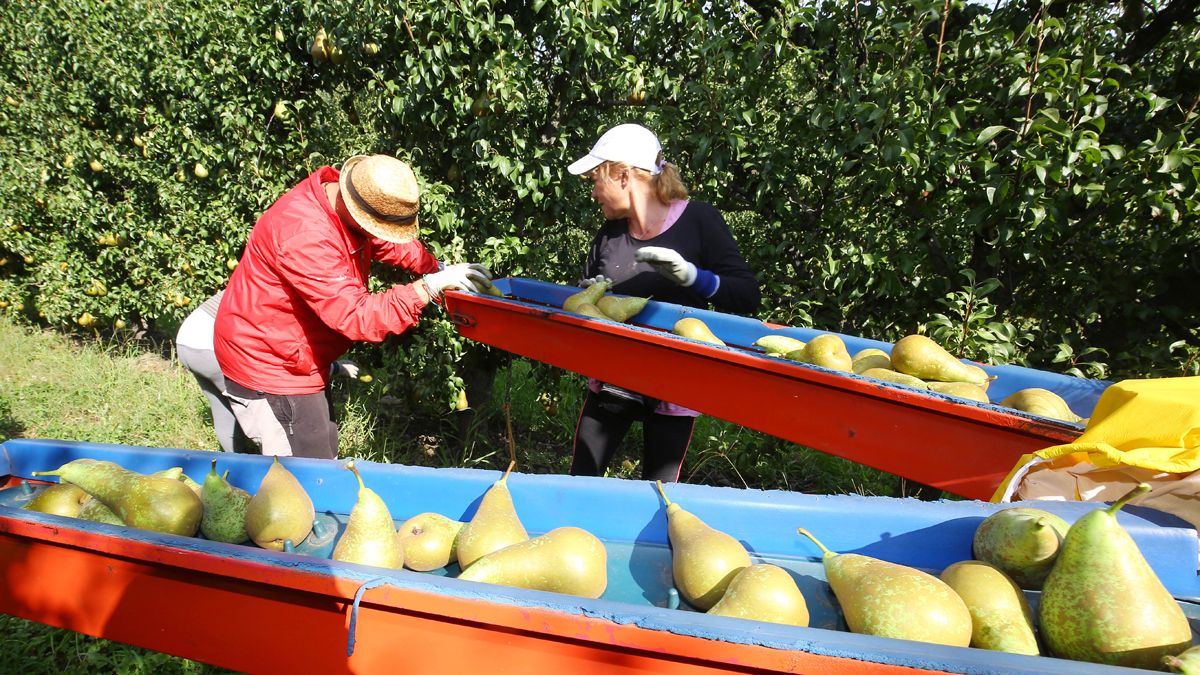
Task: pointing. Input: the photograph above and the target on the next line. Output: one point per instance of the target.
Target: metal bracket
(460, 319)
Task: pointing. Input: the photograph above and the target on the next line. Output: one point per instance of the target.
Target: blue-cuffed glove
(670, 264)
(345, 369)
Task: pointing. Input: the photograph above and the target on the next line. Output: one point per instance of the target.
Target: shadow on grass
(9, 426)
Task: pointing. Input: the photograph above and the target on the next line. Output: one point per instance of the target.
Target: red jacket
(298, 298)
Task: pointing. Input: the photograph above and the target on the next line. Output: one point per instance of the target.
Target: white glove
(463, 277)
(345, 369)
(669, 263)
(595, 280)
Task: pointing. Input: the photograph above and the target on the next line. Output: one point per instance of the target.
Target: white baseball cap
(632, 144)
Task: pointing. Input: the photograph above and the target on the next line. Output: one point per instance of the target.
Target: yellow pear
(894, 377)
(921, 357)
(280, 510)
(704, 560)
(430, 541)
(564, 560)
(319, 49)
(778, 344)
(691, 327)
(370, 535)
(154, 502)
(621, 308)
(588, 309)
(763, 593)
(1041, 402)
(588, 295)
(870, 357)
(891, 600)
(966, 390)
(1000, 616)
(828, 351)
(63, 499)
(1022, 542)
(494, 526)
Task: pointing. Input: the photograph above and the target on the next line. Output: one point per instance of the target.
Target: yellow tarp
(1141, 431)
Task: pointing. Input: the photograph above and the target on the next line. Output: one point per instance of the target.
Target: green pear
(965, 390)
(1187, 663)
(1000, 616)
(63, 499)
(588, 309)
(430, 541)
(564, 560)
(280, 510)
(763, 593)
(868, 358)
(370, 535)
(1022, 542)
(193, 485)
(704, 560)
(695, 329)
(921, 357)
(778, 345)
(494, 526)
(894, 377)
(891, 600)
(828, 351)
(1041, 402)
(94, 510)
(621, 308)
(153, 503)
(224, 509)
(1103, 603)
(587, 296)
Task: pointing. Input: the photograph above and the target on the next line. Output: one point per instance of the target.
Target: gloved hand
(669, 263)
(584, 283)
(467, 277)
(345, 369)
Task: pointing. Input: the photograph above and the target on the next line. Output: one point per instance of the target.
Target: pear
(621, 308)
(1187, 663)
(155, 503)
(564, 560)
(187, 480)
(1041, 402)
(320, 48)
(494, 526)
(704, 560)
(588, 295)
(1000, 616)
(778, 344)
(828, 351)
(695, 329)
(224, 509)
(965, 390)
(763, 593)
(430, 541)
(95, 511)
(890, 600)
(981, 374)
(1103, 603)
(921, 357)
(63, 499)
(280, 510)
(588, 309)
(868, 358)
(1022, 542)
(894, 377)
(370, 535)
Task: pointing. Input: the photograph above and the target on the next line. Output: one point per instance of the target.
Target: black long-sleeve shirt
(702, 237)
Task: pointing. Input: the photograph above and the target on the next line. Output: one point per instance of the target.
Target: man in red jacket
(298, 298)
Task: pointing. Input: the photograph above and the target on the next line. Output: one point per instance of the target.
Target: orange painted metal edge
(260, 618)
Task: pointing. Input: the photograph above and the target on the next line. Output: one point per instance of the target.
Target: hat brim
(585, 164)
(380, 229)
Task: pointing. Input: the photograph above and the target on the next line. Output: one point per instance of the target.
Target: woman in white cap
(654, 242)
(299, 298)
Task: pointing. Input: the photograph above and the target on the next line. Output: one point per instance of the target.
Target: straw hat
(382, 195)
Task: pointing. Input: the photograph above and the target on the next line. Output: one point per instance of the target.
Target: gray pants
(301, 425)
(203, 364)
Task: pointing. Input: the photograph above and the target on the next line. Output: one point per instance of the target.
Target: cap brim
(585, 164)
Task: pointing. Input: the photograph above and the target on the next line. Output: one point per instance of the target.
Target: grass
(136, 393)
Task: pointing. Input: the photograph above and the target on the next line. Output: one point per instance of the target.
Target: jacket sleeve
(739, 291)
(328, 284)
(411, 256)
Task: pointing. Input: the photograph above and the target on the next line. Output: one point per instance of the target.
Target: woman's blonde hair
(667, 184)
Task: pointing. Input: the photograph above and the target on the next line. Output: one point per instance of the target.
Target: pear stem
(801, 530)
(213, 468)
(1138, 491)
(47, 473)
(512, 444)
(511, 464)
(658, 484)
(354, 470)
